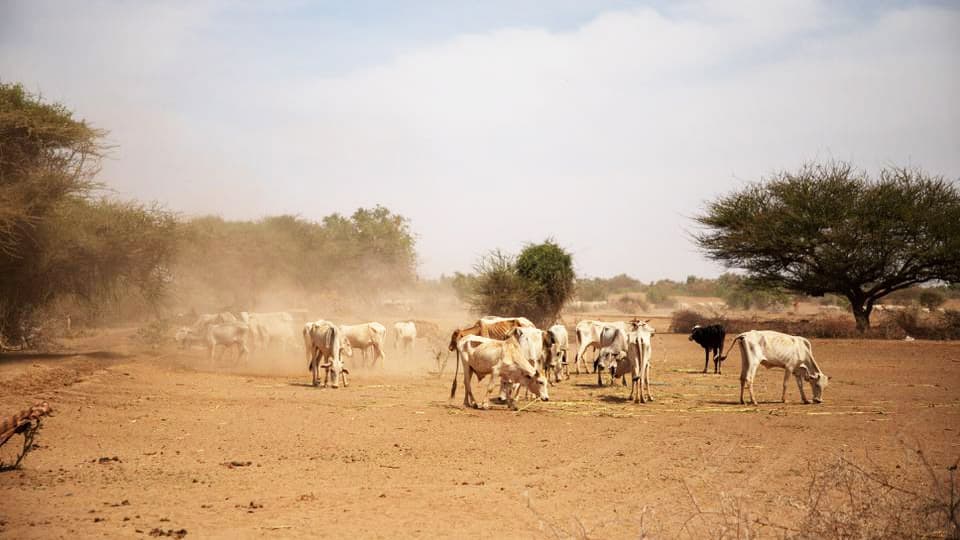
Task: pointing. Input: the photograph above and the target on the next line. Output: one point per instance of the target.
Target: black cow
(711, 339)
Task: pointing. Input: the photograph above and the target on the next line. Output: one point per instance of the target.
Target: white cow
(405, 334)
(503, 359)
(588, 336)
(324, 343)
(771, 349)
(271, 329)
(364, 336)
(559, 342)
(637, 363)
(227, 335)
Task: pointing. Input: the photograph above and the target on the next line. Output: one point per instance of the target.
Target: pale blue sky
(604, 125)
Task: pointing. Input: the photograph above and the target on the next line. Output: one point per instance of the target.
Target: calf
(773, 349)
(485, 356)
(711, 338)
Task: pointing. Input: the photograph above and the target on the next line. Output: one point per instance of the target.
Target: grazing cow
(771, 349)
(613, 349)
(404, 333)
(588, 335)
(364, 336)
(711, 339)
(227, 335)
(324, 343)
(557, 352)
(497, 358)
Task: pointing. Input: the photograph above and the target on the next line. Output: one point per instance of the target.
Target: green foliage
(830, 229)
(547, 270)
(534, 285)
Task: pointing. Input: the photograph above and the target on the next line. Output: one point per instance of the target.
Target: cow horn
(347, 371)
(326, 365)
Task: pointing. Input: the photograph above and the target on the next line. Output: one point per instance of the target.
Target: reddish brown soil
(390, 456)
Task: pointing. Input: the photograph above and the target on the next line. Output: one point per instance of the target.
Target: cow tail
(732, 343)
(456, 372)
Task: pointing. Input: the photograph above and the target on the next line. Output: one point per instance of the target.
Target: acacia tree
(829, 228)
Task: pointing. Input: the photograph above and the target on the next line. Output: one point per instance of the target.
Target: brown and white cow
(497, 358)
(489, 327)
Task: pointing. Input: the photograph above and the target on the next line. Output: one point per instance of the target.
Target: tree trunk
(861, 313)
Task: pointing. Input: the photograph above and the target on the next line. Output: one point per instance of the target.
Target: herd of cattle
(510, 350)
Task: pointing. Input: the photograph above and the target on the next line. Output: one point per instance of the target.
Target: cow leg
(646, 380)
(379, 354)
(803, 393)
(706, 360)
(786, 381)
(468, 400)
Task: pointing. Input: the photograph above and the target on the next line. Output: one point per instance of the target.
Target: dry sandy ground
(390, 456)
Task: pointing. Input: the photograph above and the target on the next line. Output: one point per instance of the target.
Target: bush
(534, 285)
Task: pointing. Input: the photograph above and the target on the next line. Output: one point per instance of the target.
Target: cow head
(537, 384)
(694, 332)
(818, 381)
(183, 334)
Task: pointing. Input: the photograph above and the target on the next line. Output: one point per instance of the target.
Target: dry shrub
(684, 320)
(917, 324)
(848, 500)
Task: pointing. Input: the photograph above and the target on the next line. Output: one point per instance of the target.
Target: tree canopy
(829, 228)
(536, 284)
